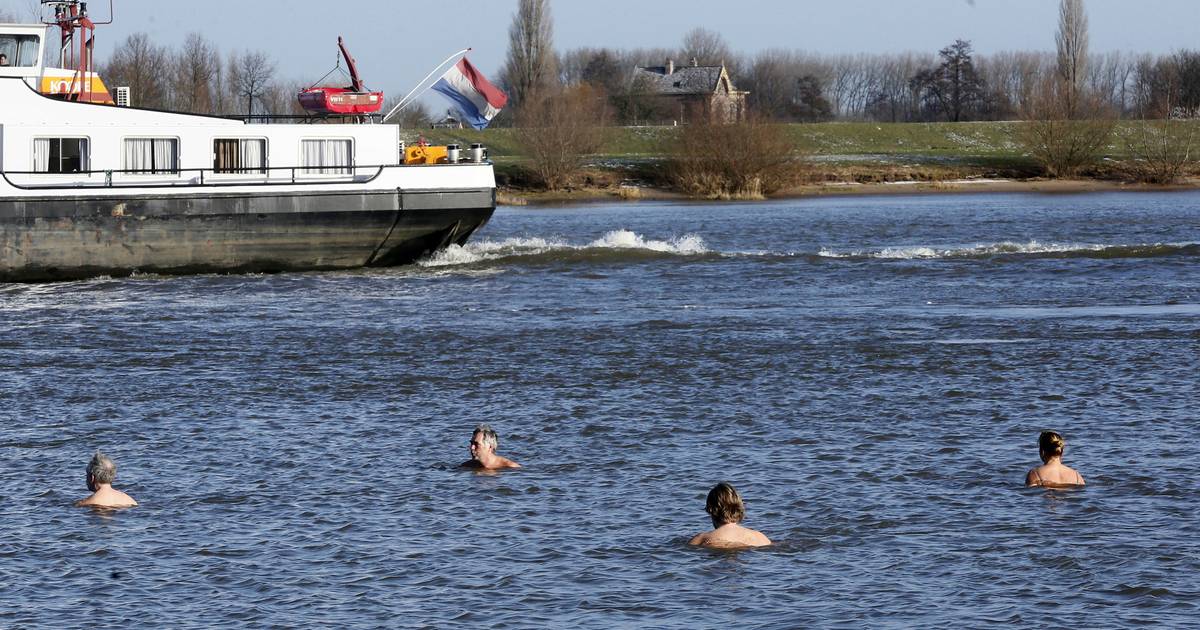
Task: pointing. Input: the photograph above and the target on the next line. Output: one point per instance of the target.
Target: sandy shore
(515, 197)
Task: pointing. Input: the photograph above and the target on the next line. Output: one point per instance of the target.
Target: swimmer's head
(724, 505)
(102, 469)
(487, 436)
(1051, 444)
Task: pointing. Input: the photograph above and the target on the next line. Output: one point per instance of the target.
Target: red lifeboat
(351, 100)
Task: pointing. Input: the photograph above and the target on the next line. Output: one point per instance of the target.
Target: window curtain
(152, 155)
(166, 159)
(311, 155)
(337, 155)
(41, 155)
(252, 156)
(328, 156)
(139, 155)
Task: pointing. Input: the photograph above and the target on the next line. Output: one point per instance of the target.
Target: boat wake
(626, 246)
(1023, 251)
(614, 246)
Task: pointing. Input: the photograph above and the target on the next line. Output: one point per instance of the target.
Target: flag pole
(404, 101)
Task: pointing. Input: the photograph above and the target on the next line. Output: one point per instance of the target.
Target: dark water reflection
(871, 373)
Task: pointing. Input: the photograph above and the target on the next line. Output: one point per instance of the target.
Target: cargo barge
(91, 188)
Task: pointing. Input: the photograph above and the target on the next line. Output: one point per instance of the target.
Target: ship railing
(192, 177)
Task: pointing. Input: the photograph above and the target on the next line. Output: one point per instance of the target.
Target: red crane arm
(355, 82)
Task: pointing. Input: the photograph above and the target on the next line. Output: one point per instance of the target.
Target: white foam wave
(924, 252)
(625, 239)
(484, 250)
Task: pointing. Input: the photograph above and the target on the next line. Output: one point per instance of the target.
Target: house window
(152, 156)
(60, 155)
(240, 155)
(326, 157)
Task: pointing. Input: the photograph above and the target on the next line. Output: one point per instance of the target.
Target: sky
(395, 49)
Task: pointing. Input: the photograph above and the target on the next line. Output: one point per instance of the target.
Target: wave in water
(616, 244)
(1032, 249)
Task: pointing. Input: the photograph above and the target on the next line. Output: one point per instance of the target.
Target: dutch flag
(477, 99)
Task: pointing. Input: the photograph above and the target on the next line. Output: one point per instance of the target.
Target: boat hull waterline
(65, 238)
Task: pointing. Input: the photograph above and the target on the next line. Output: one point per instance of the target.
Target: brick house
(687, 93)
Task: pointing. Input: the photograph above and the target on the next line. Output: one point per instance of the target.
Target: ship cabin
(25, 52)
(53, 136)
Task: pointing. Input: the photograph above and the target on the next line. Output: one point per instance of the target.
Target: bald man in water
(101, 472)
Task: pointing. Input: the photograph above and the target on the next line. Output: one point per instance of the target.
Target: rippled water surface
(870, 372)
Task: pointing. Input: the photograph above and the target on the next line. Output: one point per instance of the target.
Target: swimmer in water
(727, 510)
(484, 443)
(101, 472)
(1052, 473)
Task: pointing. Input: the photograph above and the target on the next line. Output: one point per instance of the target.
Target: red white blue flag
(477, 99)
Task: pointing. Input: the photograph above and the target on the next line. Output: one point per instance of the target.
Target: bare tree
(707, 47)
(1064, 142)
(139, 65)
(1072, 44)
(531, 66)
(557, 132)
(250, 74)
(1163, 149)
(195, 67)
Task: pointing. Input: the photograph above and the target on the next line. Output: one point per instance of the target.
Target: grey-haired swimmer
(484, 443)
(101, 472)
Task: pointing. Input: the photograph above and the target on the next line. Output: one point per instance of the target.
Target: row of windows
(152, 156)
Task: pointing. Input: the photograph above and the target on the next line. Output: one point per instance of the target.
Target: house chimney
(670, 66)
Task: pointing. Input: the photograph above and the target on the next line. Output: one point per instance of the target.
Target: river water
(871, 373)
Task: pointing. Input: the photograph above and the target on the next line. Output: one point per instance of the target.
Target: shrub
(746, 160)
(557, 132)
(1064, 132)
(1162, 150)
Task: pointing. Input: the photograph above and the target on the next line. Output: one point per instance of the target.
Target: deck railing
(207, 177)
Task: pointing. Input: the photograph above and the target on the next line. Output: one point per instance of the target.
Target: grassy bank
(862, 153)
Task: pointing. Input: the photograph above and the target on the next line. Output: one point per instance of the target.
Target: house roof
(685, 79)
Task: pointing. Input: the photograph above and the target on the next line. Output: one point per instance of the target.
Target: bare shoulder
(1078, 478)
(758, 539)
(1031, 478)
(699, 539)
(508, 463)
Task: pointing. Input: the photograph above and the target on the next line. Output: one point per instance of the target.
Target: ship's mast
(71, 16)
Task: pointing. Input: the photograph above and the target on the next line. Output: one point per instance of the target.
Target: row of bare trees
(800, 86)
(951, 85)
(197, 78)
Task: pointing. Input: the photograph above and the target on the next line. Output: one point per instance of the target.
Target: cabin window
(152, 156)
(240, 155)
(327, 157)
(19, 50)
(60, 155)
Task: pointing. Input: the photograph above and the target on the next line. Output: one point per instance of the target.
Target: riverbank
(633, 192)
(841, 159)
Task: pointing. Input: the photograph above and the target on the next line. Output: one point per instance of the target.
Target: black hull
(50, 239)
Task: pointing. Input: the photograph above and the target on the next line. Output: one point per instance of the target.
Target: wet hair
(1051, 444)
(725, 505)
(489, 436)
(101, 468)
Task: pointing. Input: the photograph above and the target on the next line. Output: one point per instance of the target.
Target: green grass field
(972, 147)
